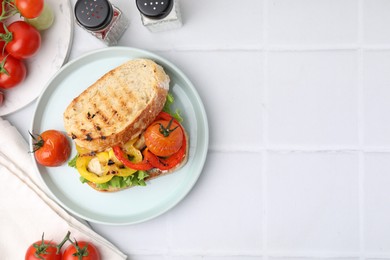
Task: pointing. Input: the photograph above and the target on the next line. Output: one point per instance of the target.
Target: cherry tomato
(44, 20)
(29, 8)
(164, 138)
(12, 71)
(2, 31)
(1, 98)
(22, 40)
(51, 148)
(81, 250)
(43, 249)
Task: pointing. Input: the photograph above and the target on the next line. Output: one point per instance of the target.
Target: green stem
(66, 238)
(8, 9)
(165, 131)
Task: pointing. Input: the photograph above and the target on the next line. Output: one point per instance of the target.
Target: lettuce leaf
(136, 179)
(72, 162)
(168, 108)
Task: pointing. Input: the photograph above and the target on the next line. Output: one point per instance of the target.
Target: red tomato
(29, 8)
(1, 98)
(51, 148)
(43, 249)
(163, 137)
(23, 40)
(12, 71)
(83, 249)
(2, 31)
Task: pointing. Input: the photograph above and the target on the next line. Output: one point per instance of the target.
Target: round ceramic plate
(55, 48)
(136, 204)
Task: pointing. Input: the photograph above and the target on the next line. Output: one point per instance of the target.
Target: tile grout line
(264, 153)
(265, 47)
(361, 109)
(301, 149)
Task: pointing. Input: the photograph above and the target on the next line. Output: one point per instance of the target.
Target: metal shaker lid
(154, 9)
(94, 15)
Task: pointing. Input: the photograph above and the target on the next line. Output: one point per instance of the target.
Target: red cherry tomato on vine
(43, 249)
(29, 8)
(2, 31)
(12, 71)
(81, 250)
(1, 98)
(51, 148)
(22, 40)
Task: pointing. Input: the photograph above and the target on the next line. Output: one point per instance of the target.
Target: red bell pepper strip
(121, 156)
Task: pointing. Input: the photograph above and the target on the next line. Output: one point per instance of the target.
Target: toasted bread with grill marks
(118, 106)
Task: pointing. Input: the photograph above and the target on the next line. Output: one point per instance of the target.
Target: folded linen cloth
(26, 212)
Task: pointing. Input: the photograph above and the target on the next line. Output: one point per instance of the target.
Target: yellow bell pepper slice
(104, 158)
(82, 164)
(111, 155)
(82, 150)
(124, 172)
(136, 155)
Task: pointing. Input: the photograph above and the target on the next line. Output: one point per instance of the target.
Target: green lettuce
(72, 162)
(168, 108)
(136, 179)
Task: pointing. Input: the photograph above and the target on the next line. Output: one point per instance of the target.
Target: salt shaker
(160, 15)
(101, 19)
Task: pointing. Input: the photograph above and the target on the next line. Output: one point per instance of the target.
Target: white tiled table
(298, 99)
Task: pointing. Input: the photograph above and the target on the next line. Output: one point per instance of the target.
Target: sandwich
(124, 130)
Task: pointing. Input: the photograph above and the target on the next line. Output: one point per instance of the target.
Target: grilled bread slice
(118, 106)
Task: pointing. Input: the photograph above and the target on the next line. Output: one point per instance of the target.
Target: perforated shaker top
(155, 9)
(94, 15)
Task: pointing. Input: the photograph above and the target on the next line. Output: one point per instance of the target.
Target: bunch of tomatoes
(21, 23)
(49, 250)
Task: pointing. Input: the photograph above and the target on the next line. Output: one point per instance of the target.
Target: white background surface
(297, 94)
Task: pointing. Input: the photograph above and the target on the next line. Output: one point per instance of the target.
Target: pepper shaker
(101, 19)
(160, 15)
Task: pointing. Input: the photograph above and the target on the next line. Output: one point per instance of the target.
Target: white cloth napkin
(25, 209)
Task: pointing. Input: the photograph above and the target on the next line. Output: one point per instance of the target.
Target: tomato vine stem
(165, 131)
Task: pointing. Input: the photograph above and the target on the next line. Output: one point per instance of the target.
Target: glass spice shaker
(101, 19)
(159, 15)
